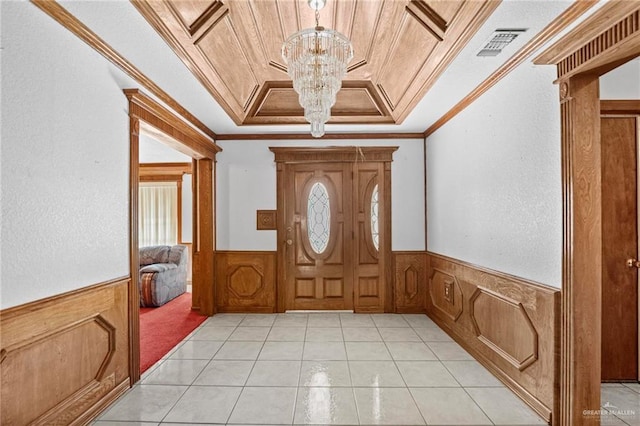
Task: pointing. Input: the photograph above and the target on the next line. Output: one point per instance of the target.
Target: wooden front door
(371, 242)
(619, 137)
(334, 244)
(318, 245)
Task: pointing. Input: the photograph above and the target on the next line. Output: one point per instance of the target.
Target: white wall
(64, 160)
(494, 183)
(622, 82)
(154, 151)
(246, 182)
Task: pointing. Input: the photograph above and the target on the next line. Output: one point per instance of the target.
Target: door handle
(633, 263)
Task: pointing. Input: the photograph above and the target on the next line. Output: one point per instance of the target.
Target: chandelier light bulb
(316, 4)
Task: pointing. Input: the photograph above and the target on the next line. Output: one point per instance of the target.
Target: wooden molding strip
(53, 300)
(210, 17)
(166, 172)
(595, 56)
(73, 24)
(162, 179)
(428, 18)
(590, 29)
(247, 252)
(621, 106)
(154, 169)
(333, 153)
(191, 142)
(502, 275)
(307, 136)
(567, 17)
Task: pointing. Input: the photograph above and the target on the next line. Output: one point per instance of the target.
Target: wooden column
(134, 253)
(582, 262)
(203, 244)
(281, 223)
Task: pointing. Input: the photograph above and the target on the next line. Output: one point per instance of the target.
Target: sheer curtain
(157, 213)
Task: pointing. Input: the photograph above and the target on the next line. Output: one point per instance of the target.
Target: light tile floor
(321, 368)
(620, 403)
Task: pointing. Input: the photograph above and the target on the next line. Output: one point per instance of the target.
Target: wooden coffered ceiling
(400, 49)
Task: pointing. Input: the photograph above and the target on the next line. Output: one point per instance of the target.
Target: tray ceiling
(400, 49)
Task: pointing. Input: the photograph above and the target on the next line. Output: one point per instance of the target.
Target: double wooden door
(619, 138)
(334, 228)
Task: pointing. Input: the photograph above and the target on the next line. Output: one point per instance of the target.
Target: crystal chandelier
(317, 60)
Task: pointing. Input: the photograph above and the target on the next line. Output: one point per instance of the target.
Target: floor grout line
(299, 386)
(248, 375)
(402, 377)
(353, 389)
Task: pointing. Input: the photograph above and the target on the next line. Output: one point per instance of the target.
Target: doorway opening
(150, 118)
(165, 217)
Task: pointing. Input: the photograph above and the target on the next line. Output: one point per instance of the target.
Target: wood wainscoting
(510, 325)
(245, 281)
(64, 359)
(410, 281)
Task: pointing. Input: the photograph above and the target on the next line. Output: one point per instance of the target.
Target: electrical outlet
(448, 291)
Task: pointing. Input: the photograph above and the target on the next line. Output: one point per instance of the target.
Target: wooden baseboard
(102, 405)
(64, 359)
(510, 325)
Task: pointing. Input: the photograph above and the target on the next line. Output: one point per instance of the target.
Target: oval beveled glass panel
(318, 218)
(375, 234)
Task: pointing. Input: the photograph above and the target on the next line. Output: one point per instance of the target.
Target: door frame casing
(348, 154)
(607, 39)
(148, 116)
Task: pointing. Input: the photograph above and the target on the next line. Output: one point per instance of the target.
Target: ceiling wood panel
(447, 10)
(462, 26)
(402, 67)
(233, 67)
(264, 12)
(363, 36)
(234, 49)
(190, 10)
(428, 18)
(358, 100)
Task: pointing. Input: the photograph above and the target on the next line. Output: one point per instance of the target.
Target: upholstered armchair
(163, 274)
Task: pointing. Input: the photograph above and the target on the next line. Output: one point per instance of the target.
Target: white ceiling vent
(498, 41)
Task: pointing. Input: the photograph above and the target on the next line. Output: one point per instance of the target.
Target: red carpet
(164, 327)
